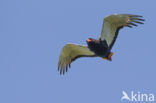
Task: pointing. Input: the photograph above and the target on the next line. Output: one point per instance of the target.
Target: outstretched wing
(113, 23)
(71, 52)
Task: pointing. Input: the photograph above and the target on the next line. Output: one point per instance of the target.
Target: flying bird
(101, 47)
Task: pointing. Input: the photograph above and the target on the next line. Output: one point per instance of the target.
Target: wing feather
(71, 52)
(113, 23)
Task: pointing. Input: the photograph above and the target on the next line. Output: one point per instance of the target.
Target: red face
(89, 40)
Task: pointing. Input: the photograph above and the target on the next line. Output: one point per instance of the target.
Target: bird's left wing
(69, 53)
(113, 23)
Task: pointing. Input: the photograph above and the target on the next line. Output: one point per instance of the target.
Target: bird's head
(91, 40)
(92, 43)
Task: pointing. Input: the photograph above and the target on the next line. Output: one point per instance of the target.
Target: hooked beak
(89, 40)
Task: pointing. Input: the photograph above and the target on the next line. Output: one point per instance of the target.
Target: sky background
(33, 33)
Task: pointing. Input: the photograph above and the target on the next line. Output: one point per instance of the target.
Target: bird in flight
(98, 48)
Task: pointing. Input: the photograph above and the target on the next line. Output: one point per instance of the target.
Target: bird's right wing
(71, 52)
(113, 23)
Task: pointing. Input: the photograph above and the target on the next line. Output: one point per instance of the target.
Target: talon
(110, 56)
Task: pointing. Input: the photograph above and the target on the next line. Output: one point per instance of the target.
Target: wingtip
(135, 15)
(133, 24)
(63, 68)
(129, 26)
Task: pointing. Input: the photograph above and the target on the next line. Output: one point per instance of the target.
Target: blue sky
(33, 32)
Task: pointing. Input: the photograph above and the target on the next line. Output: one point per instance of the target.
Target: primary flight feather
(102, 47)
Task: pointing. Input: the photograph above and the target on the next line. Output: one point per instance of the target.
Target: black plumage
(98, 48)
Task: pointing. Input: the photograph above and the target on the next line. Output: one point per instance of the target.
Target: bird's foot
(109, 56)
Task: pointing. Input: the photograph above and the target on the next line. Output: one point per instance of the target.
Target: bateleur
(98, 48)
